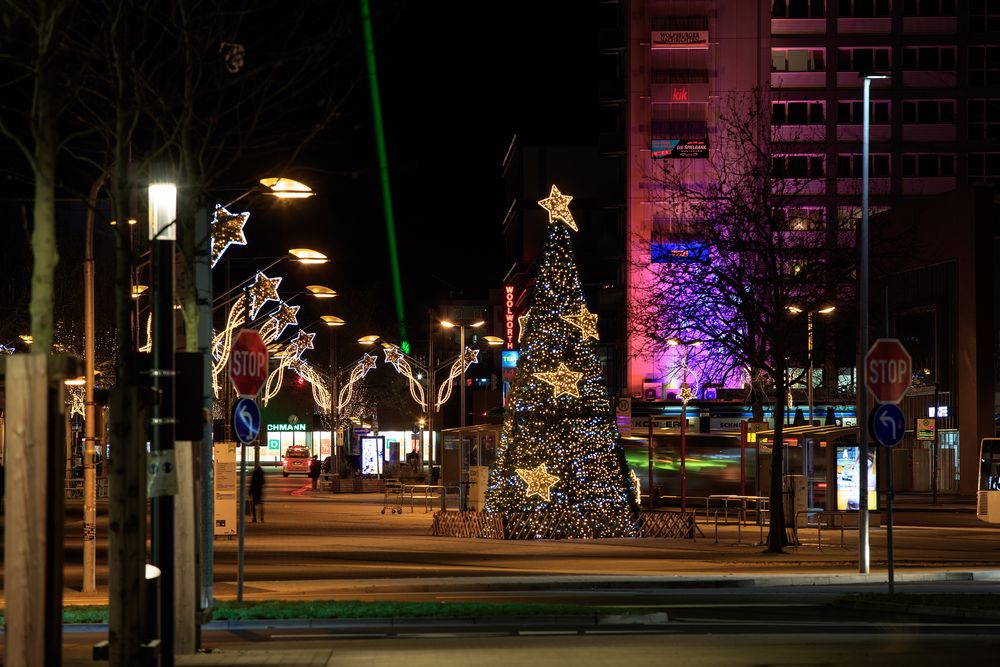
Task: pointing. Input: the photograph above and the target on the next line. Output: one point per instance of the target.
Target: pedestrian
(257, 493)
(314, 467)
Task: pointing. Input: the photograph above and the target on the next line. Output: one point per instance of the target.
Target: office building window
(984, 119)
(680, 23)
(928, 164)
(864, 8)
(928, 111)
(680, 76)
(928, 7)
(798, 60)
(798, 166)
(863, 59)
(849, 165)
(929, 58)
(797, 9)
(806, 219)
(797, 113)
(984, 15)
(984, 65)
(850, 112)
(984, 168)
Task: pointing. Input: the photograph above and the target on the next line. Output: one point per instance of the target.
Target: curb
(383, 625)
(951, 612)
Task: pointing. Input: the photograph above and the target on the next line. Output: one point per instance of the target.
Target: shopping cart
(393, 500)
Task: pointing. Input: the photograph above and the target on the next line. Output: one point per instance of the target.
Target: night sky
(455, 89)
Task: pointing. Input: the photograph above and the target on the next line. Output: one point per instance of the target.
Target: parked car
(296, 461)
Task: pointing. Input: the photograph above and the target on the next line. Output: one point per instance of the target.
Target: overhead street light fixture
(321, 291)
(138, 290)
(493, 340)
(308, 256)
(332, 321)
(286, 188)
(451, 325)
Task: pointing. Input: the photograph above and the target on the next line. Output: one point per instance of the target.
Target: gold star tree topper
(563, 381)
(539, 481)
(264, 289)
(557, 204)
(585, 321)
(227, 230)
(284, 316)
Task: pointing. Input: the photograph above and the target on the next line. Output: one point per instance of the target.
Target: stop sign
(248, 362)
(888, 370)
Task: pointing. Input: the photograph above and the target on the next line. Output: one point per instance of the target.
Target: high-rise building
(935, 122)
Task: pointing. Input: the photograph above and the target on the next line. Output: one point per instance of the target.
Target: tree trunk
(43, 236)
(776, 530)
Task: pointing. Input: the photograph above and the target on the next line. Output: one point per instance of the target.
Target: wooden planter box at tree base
(555, 526)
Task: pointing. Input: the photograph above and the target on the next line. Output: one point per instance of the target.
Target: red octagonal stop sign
(248, 362)
(888, 370)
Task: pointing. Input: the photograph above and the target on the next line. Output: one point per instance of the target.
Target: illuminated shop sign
(508, 358)
(679, 93)
(679, 39)
(682, 148)
(286, 427)
(668, 253)
(510, 320)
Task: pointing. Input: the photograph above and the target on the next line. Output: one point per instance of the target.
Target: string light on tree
(539, 481)
(558, 413)
(227, 230)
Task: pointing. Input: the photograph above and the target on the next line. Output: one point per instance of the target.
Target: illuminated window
(798, 60)
(806, 219)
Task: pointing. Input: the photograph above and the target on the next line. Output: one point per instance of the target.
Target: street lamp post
(462, 325)
(809, 351)
(863, 548)
(333, 322)
(686, 395)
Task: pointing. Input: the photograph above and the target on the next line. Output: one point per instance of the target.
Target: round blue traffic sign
(246, 420)
(887, 425)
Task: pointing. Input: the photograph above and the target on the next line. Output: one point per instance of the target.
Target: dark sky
(455, 88)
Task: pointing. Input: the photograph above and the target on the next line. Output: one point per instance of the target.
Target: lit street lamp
(462, 324)
(809, 350)
(333, 323)
(685, 396)
(863, 549)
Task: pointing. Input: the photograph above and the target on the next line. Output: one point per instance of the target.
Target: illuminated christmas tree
(560, 469)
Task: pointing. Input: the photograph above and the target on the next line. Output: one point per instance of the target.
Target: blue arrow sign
(246, 420)
(887, 425)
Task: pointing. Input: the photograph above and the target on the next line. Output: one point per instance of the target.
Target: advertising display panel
(225, 489)
(372, 454)
(849, 479)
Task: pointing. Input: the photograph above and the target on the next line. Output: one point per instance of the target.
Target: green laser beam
(383, 161)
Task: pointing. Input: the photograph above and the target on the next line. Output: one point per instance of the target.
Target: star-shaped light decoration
(539, 481)
(394, 356)
(563, 381)
(585, 321)
(264, 289)
(686, 393)
(284, 316)
(522, 322)
(367, 363)
(557, 204)
(471, 357)
(227, 230)
(303, 341)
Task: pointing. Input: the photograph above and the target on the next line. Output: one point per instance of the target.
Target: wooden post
(33, 525)
(184, 554)
(127, 528)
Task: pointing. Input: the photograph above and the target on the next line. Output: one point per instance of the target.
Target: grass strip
(971, 601)
(340, 609)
